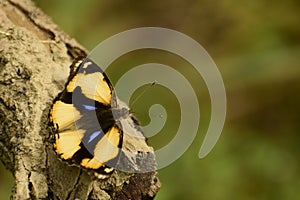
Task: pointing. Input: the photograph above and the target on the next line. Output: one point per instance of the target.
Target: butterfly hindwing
(87, 134)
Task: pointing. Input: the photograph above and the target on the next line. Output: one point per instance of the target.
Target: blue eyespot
(89, 107)
(94, 135)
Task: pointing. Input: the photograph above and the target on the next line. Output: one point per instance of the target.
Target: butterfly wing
(87, 133)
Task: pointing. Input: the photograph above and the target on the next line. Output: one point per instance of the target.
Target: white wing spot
(86, 65)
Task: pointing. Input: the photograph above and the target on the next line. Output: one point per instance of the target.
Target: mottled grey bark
(34, 59)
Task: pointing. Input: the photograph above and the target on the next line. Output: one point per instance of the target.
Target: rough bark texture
(34, 59)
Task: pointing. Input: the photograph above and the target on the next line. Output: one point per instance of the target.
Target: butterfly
(93, 128)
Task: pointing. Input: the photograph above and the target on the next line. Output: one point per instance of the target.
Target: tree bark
(34, 59)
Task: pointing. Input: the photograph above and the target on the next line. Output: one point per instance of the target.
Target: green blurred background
(256, 45)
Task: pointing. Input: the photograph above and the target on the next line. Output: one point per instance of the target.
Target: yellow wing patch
(67, 143)
(107, 148)
(91, 163)
(64, 115)
(93, 86)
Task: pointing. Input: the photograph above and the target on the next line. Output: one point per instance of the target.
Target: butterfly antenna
(143, 92)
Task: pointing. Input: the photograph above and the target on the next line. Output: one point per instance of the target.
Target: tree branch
(34, 59)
